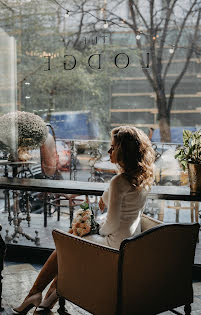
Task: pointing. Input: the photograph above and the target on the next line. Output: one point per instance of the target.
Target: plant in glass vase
(20, 132)
(189, 156)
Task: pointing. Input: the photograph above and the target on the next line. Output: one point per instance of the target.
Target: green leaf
(190, 151)
(184, 165)
(177, 154)
(84, 206)
(186, 136)
(187, 133)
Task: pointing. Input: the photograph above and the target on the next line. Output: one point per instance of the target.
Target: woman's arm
(101, 205)
(117, 190)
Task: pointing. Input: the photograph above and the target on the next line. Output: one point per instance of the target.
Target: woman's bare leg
(46, 275)
(51, 297)
(51, 288)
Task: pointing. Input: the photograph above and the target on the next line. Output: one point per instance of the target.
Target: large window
(87, 66)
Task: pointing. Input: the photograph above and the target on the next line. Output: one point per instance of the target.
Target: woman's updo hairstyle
(134, 154)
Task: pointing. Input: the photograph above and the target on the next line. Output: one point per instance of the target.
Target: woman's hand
(101, 205)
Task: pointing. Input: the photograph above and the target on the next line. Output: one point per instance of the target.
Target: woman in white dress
(125, 200)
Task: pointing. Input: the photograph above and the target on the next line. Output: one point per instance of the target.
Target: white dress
(125, 206)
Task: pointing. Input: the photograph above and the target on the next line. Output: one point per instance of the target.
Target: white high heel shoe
(29, 303)
(49, 302)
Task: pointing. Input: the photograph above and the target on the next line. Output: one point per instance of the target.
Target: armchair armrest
(148, 222)
(87, 273)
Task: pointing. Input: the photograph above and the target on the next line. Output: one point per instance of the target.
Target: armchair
(151, 273)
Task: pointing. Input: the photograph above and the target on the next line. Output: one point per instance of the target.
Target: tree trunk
(164, 129)
(163, 115)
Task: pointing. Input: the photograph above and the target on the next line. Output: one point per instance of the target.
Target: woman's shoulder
(120, 183)
(118, 178)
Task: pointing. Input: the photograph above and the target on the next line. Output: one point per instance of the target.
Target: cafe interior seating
(150, 274)
(192, 207)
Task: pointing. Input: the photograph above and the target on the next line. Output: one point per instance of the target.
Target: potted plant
(189, 156)
(21, 131)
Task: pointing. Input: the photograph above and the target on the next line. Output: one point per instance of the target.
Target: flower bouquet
(83, 222)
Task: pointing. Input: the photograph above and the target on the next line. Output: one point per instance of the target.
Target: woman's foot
(49, 302)
(29, 303)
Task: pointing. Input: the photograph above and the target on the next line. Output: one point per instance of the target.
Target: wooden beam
(143, 78)
(152, 95)
(155, 110)
(132, 110)
(134, 94)
(136, 125)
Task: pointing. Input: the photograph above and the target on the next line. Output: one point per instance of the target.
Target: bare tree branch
(147, 74)
(80, 25)
(30, 74)
(7, 7)
(164, 33)
(140, 14)
(188, 57)
(120, 19)
(178, 38)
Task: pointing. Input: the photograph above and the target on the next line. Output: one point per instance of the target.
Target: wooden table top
(92, 188)
(54, 186)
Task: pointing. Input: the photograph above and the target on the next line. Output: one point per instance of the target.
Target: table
(174, 193)
(15, 218)
(15, 173)
(15, 165)
(52, 186)
(92, 188)
(177, 193)
(105, 170)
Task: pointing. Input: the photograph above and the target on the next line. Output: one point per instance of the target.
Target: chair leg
(187, 309)
(177, 215)
(62, 309)
(192, 211)
(161, 213)
(45, 209)
(58, 210)
(49, 209)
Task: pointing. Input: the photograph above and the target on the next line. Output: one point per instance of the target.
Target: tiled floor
(18, 279)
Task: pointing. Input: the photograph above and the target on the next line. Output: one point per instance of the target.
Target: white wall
(8, 73)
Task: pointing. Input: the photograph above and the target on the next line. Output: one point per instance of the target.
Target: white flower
(81, 224)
